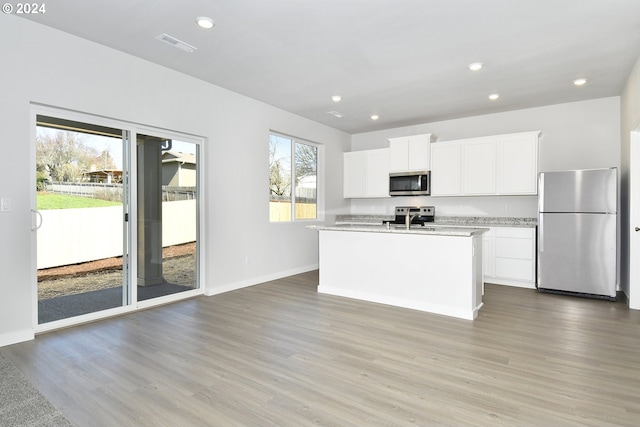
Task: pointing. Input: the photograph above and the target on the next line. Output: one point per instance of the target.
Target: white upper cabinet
(354, 174)
(493, 165)
(410, 153)
(479, 160)
(377, 173)
(398, 154)
(446, 168)
(518, 157)
(366, 173)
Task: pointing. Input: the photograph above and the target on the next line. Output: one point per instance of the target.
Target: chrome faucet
(408, 219)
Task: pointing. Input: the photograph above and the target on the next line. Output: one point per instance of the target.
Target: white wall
(576, 135)
(46, 66)
(630, 112)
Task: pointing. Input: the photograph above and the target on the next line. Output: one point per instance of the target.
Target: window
(293, 172)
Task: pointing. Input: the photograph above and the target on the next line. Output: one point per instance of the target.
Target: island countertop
(434, 230)
(452, 221)
(437, 269)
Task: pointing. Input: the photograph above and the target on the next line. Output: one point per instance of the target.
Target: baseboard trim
(16, 337)
(445, 310)
(510, 282)
(228, 287)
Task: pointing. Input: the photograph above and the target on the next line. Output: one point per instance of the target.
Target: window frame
(292, 171)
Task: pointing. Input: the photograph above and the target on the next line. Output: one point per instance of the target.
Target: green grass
(46, 201)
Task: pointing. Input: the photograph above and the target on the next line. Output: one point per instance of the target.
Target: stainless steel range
(413, 215)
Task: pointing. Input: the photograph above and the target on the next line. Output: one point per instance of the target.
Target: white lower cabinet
(509, 256)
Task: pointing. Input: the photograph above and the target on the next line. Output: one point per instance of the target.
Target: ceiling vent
(176, 43)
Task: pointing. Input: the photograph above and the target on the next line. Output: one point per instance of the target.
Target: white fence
(72, 236)
(100, 190)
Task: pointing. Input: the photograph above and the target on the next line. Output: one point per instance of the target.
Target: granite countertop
(453, 221)
(437, 230)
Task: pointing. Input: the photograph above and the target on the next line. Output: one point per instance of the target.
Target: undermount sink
(415, 227)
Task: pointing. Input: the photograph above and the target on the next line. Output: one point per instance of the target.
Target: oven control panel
(416, 210)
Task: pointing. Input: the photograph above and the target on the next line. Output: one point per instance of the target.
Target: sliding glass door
(167, 216)
(116, 218)
(81, 207)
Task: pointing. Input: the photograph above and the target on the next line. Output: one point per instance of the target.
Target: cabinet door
(399, 154)
(515, 269)
(377, 173)
(419, 152)
(479, 167)
(518, 170)
(354, 174)
(446, 169)
(515, 253)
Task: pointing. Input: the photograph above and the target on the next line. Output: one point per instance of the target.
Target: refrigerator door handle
(540, 233)
(541, 192)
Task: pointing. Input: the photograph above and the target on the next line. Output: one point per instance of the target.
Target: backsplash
(488, 206)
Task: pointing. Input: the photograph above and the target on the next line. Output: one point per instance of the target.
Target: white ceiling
(405, 60)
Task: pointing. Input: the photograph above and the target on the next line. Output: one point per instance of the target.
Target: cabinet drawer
(519, 269)
(514, 248)
(515, 232)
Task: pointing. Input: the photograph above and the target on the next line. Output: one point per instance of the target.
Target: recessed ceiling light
(336, 98)
(335, 114)
(205, 22)
(494, 96)
(579, 82)
(375, 117)
(475, 66)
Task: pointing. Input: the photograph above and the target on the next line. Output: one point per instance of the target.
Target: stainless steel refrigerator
(577, 223)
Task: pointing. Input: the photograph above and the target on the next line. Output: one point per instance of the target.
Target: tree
(279, 171)
(306, 160)
(65, 156)
(305, 163)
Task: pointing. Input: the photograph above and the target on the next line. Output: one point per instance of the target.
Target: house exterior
(178, 169)
(103, 176)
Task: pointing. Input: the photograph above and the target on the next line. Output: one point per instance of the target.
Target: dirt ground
(179, 266)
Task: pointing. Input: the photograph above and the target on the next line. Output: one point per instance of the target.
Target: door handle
(39, 215)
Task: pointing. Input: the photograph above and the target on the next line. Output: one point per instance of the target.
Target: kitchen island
(437, 269)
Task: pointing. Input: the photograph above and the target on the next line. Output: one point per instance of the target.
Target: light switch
(5, 205)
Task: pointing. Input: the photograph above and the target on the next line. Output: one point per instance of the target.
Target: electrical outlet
(5, 205)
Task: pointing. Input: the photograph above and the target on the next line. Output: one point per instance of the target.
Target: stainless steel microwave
(410, 183)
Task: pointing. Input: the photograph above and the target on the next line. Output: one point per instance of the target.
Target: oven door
(414, 184)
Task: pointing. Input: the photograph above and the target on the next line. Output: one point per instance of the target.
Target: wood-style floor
(279, 354)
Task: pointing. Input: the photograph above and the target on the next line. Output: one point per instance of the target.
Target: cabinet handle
(637, 228)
